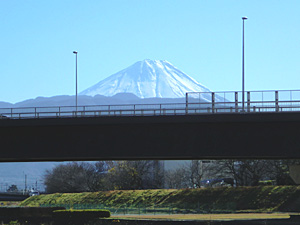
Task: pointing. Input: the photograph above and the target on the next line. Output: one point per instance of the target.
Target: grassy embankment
(240, 199)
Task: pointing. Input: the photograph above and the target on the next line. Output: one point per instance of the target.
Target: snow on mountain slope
(148, 79)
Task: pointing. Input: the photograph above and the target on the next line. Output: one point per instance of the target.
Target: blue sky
(200, 37)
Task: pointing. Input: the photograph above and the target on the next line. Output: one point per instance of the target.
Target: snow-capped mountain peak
(148, 79)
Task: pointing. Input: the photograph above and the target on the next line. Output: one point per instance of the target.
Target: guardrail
(256, 101)
(93, 110)
(13, 196)
(196, 103)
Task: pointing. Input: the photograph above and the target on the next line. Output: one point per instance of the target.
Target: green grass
(254, 199)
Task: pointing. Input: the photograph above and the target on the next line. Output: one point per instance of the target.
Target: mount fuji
(145, 82)
(148, 79)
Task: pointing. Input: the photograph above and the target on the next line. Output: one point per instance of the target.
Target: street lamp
(243, 66)
(75, 52)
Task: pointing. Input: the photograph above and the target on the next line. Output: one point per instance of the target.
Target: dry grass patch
(238, 216)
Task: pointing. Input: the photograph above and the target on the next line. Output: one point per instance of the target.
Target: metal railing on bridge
(231, 102)
(195, 103)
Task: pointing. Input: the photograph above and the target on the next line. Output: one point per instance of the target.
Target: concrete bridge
(205, 136)
(211, 127)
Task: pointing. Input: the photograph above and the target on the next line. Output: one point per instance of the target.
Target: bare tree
(279, 171)
(190, 175)
(12, 188)
(158, 175)
(140, 174)
(77, 177)
(243, 172)
(197, 170)
(70, 177)
(97, 176)
(177, 178)
(108, 175)
(251, 172)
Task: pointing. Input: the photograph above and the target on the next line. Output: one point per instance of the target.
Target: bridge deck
(240, 135)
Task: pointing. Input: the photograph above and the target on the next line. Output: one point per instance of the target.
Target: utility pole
(25, 183)
(243, 65)
(76, 100)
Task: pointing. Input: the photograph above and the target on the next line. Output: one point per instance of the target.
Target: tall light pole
(243, 65)
(75, 52)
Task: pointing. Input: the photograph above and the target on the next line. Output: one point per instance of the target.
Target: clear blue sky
(200, 37)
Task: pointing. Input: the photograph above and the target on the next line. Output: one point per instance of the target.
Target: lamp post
(75, 52)
(243, 65)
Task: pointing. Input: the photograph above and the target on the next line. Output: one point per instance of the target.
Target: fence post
(276, 101)
(213, 102)
(186, 103)
(248, 101)
(236, 101)
(133, 109)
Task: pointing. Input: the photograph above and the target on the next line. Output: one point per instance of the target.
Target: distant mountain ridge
(5, 104)
(148, 79)
(83, 100)
(144, 82)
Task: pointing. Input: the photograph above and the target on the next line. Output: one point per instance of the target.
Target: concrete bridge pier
(295, 173)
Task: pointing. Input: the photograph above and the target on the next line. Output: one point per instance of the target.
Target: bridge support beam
(213, 136)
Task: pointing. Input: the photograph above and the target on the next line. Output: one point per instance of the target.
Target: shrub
(26, 213)
(79, 216)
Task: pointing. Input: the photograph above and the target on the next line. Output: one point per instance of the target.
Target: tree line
(150, 174)
(104, 175)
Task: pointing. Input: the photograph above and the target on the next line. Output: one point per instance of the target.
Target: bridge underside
(220, 136)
